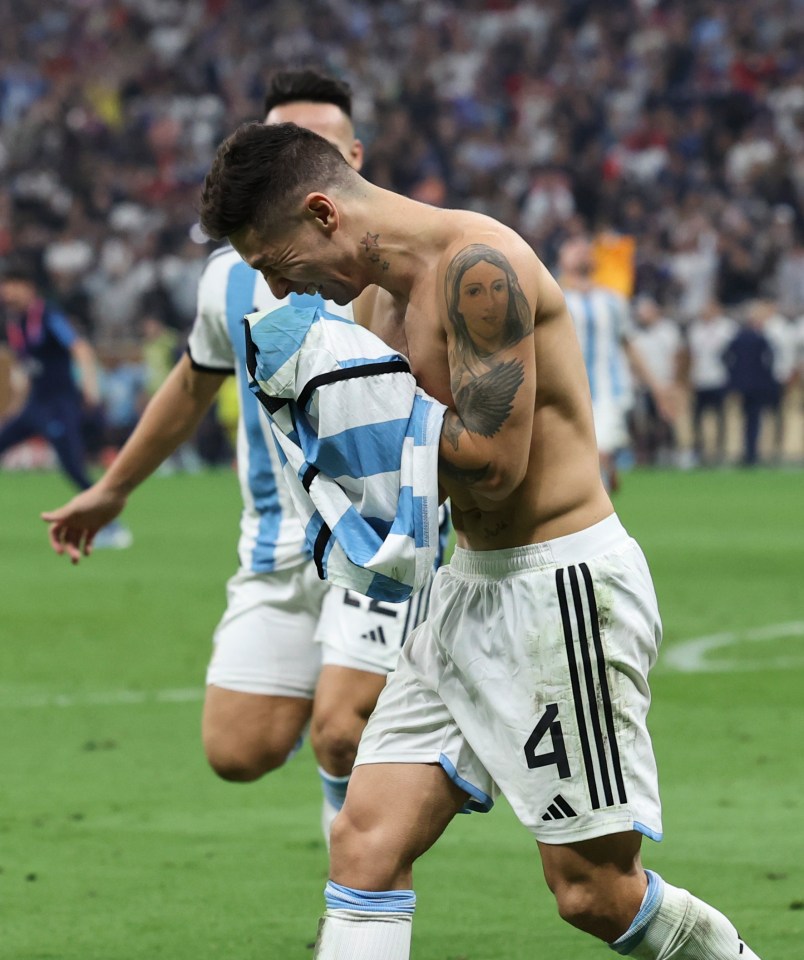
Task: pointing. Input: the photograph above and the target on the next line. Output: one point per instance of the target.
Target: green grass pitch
(117, 842)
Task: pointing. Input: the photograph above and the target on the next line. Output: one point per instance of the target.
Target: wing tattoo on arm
(485, 402)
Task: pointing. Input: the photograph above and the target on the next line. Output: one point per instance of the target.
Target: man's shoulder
(471, 228)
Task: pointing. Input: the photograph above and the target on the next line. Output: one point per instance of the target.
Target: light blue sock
(365, 924)
(369, 901)
(334, 788)
(650, 906)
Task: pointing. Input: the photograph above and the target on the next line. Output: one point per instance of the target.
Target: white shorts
(529, 677)
(280, 628)
(367, 634)
(611, 428)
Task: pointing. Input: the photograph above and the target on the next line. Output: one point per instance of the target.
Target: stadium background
(676, 132)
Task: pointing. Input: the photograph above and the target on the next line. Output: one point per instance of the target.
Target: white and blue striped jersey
(603, 322)
(359, 442)
(271, 535)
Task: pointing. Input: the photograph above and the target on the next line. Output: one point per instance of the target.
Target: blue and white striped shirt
(602, 321)
(359, 444)
(271, 535)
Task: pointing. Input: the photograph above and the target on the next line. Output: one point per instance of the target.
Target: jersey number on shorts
(558, 755)
(374, 606)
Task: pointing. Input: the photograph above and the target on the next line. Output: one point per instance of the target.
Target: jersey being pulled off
(271, 535)
(359, 443)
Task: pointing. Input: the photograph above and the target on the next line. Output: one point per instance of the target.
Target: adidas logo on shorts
(559, 809)
(375, 636)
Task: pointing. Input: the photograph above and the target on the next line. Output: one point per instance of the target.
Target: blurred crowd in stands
(673, 131)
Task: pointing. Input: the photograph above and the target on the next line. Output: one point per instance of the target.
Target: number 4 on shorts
(558, 755)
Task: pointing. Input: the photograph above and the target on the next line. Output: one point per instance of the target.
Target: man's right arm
(171, 418)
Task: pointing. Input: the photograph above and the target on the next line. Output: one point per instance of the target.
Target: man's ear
(356, 155)
(322, 211)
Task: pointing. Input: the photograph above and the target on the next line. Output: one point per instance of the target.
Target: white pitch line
(113, 698)
(692, 656)
(687, 656)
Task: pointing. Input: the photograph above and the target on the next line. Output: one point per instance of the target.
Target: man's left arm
(489, 319)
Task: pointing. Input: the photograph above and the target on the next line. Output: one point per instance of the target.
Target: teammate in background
(530, 673)
(605, 330)
(47, 347)
(287, 650)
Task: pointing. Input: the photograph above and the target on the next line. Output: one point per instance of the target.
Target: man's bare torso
(561, 491)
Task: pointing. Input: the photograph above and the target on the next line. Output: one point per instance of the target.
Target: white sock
(674, 925)
(365, 925)
(334, 790)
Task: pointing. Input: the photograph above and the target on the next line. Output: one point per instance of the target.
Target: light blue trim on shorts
(651, 902)
(369, 901)
(480, 802)
(646, 831)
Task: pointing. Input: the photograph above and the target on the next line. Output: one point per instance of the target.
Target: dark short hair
(259, 170)
(307, 85)
(20, 267)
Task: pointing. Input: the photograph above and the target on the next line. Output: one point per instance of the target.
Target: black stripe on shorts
(594, 714)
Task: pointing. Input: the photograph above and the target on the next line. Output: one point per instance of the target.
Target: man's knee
(242, 757)
(247, 735)
(580, 905)
(598, 884)
(334, 736)
(602, 906)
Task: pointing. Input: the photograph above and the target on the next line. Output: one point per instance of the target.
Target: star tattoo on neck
(371, 240)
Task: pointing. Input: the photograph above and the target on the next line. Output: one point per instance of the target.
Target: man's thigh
(264, 668)
(264, 643)
(247, 734)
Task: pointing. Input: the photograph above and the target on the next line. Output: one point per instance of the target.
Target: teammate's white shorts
(611, 427)
(280, 628)
(529, 677)
(365, 634)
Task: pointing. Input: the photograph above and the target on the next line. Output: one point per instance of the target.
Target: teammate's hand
(72, 528)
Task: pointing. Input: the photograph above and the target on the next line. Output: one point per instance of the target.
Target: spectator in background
(790, 280)
(123, 379)
(603, 323)
(47, 346)
(658, 341)
(707, 338)
(749, 361)
(798, 375)
(782, 337)
(678, 125)
(160, 351)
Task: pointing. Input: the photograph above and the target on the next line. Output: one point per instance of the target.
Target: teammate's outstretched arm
(489, 309)
(171, 417)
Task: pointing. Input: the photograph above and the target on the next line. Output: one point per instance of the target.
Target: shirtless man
(529, 674)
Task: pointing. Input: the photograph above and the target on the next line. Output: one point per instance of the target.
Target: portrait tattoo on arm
(488, 313)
